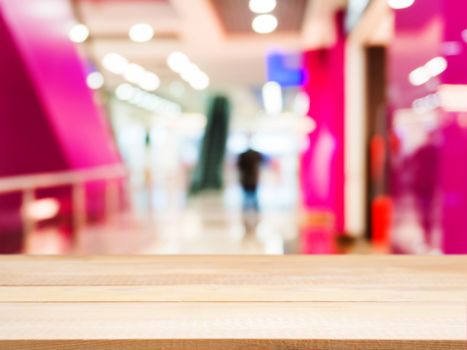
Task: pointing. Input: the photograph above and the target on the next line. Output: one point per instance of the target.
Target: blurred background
(233, 126)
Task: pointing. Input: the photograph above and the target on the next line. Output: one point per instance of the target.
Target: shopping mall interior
(233, 127)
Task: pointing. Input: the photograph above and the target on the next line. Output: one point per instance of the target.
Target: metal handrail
(28, 184)
(45, 180)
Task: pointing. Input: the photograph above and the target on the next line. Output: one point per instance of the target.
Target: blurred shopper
(148, 175)
(249, 164)
(425, 165)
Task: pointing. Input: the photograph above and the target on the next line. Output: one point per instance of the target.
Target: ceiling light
(178, 61)
(149, 81)
(115, 63)
(190, 71)
(301, 103)
(436, 66)
(262, 6)
(272, 97)
(419, 76)
(141, 33)
(264, 24)
(150, 102)
(95, 80)
(200, 81)
(134, 73)
(431, 69)
(124, 92)
(79, 33)
(400, 4)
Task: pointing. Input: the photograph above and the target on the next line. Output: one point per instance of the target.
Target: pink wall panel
(322, 164)
(57, 72)
(49, 120)
(426, 30)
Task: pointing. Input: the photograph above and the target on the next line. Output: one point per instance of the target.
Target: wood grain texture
(233, 302)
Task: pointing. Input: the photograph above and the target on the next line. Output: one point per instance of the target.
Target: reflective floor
(170, 222)
(163, 219)
(203, 226)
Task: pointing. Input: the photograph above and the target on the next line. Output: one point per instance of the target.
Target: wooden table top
(233, 302)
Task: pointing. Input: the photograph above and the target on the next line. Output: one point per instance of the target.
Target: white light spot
(115, 63)
(178, 61)
(400, 4)
(264, 24)
(262, 6)
(95, 80)
(149, 81)
(134, 73)
(141, 33)
(79, 33)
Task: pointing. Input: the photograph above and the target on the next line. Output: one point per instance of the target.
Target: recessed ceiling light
(134, 73)
(400, 4)
(272, 97)
(178, 61)
(431, 69)
(264, 24)
(419, 76)
(200, 81)
(190, 72)
(95, 80)
(149, 81)
(141, 32)
(262, 6)
(115, 63)
(436, 66)
(79, 33)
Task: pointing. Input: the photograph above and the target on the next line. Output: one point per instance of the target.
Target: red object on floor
(382, 217)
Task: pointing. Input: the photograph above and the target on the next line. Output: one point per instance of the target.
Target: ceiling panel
(236, 17)
(113, 18)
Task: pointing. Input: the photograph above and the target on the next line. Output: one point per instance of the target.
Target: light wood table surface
(233, 302)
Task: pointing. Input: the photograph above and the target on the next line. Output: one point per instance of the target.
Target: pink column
(322, 163)
(454, 150)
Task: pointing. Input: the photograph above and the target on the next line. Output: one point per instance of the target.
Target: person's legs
(250, 210)
(425, 211)
(250, 200)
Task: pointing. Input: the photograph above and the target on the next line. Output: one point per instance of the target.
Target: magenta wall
(322, 164)
(26, 136)
(56, 70)
(454, 150)
(49, 120)
(418, 35)
(421, 33)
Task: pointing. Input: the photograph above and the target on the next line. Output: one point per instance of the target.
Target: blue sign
(285, 69)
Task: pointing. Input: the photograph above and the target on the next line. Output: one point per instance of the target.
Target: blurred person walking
(249, 164)
(425, 165)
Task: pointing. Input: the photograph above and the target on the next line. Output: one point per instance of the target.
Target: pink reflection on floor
(47, 241)
(317, 241)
